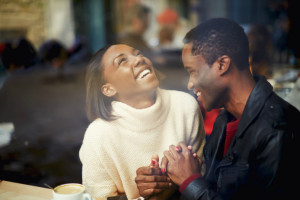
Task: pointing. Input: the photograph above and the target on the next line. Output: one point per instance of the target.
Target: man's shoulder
(278, 113)
(280, 109)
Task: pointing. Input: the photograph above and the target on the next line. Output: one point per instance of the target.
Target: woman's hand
(150, 180)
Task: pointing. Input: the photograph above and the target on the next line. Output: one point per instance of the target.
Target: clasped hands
(178, 164)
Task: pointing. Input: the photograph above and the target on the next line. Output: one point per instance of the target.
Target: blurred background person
(260, 45)
(54, 53)
(136, 23)
(172, 29)
(58, 56)
(16, 55)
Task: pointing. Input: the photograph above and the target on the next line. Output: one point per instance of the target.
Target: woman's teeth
(143, 74)
(198, 94)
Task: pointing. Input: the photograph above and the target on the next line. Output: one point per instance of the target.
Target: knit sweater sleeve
(194, 116)
(199, 138)
(95, 176)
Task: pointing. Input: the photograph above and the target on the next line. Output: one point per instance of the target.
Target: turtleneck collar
(142, 119)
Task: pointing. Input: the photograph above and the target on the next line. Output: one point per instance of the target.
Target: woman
(132, 119)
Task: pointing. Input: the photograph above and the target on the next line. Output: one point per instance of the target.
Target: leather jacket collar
(256, 101)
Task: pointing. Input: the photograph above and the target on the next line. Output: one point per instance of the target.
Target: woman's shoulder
(98, 128)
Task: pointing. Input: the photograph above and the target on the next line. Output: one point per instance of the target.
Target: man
(251, 152)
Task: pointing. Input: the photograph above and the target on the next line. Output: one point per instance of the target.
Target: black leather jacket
(261, 162)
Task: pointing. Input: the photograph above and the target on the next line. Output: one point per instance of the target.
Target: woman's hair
(218, 37)
(98, 105)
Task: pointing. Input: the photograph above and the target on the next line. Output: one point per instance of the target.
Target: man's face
(203, 78)
(128, 71)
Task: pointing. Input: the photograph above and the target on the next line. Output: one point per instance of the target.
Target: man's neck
(240, 91)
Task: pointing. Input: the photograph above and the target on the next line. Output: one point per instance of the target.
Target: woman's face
(127, 72)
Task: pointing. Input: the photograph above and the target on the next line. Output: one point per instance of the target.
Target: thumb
(154, 161)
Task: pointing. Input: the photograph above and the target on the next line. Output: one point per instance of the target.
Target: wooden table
(16, 191)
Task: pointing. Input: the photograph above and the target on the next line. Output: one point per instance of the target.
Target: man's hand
(180, 163)
(150, 180)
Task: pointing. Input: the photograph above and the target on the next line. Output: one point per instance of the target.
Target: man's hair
(217, 37)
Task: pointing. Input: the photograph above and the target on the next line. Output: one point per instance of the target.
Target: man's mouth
(144, 73)
(199, 96)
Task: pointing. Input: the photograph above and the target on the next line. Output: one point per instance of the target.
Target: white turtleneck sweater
(112, 151)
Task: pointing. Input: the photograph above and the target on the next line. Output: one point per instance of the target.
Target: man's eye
(122, 60)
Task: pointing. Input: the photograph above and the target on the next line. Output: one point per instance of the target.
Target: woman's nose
(138, 60)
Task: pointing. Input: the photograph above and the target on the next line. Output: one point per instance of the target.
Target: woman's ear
(108, 90)
(224, 64)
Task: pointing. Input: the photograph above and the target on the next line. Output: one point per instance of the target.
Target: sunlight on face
(128, 72)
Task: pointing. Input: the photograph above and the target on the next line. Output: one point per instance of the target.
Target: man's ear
(108, 90)
(223, 64)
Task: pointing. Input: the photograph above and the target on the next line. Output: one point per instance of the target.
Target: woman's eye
(122, 60)
(139, 53)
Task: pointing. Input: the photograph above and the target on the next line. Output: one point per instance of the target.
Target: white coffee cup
(70, 191)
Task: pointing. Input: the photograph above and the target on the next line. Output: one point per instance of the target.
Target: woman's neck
(139, 101)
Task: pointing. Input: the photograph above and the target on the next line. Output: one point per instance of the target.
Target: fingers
(150, 192)
(183, 147)
(152, 185)
(169, 156)
(163, 164)
(189, 148)
(154, 161)
(148, 171)
(150, 179)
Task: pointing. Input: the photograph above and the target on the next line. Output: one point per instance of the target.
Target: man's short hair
(217, 37)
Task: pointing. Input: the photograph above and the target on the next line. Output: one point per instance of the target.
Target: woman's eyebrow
(134, 50)
(120, 55)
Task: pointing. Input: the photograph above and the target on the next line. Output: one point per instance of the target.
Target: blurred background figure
(260, 44)
(3, 72)
(165, 37)
(18, 54)
(280, 35)
(136, 24)
(53, 52)
(172, 29)
(168, 21)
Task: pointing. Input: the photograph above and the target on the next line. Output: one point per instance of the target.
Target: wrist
(186, 182)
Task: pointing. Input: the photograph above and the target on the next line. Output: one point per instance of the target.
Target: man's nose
(190, 85)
